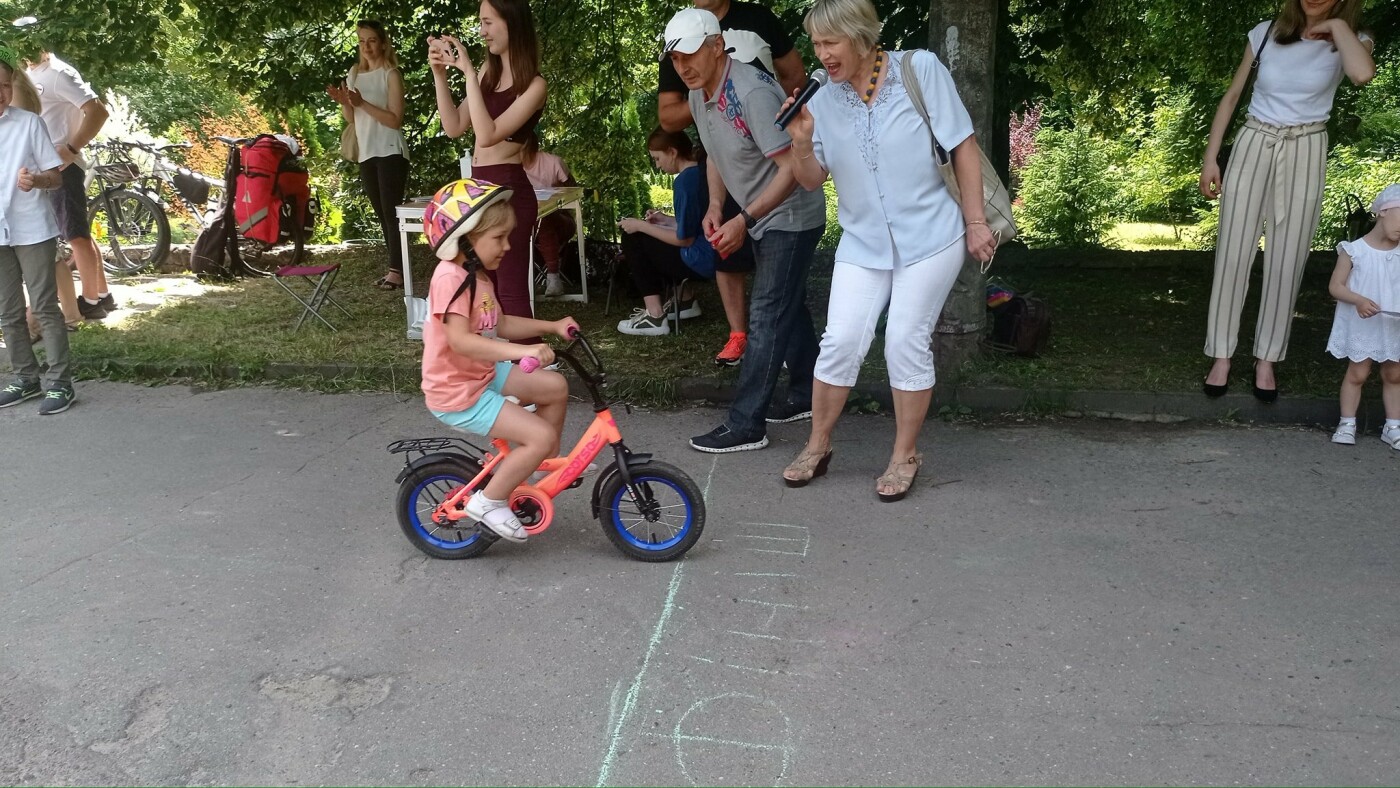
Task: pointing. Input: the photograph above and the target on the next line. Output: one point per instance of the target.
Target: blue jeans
(780, 329)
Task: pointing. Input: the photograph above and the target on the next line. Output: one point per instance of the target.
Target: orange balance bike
(650, 510)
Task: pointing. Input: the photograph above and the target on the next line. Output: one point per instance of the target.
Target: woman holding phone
(503, 104)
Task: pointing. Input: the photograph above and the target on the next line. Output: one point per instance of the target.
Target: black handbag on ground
(1227, 142)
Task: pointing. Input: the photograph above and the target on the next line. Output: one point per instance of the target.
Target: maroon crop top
(499, 101)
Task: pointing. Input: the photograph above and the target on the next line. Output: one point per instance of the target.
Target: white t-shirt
(63, 93)
(1296, 82)
(25, 217)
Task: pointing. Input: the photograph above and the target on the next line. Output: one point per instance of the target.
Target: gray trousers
(32, 266)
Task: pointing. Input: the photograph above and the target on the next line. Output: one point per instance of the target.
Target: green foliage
(1349, 171)
(1163, 171)
(832, 235)
(96, 36)
(1069, 190)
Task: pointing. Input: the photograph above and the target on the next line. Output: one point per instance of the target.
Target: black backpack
(215, 253)
(1021, 326)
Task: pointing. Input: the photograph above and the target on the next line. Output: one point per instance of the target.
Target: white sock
(87, 300)
(1347, 421)
(101, 296)
(1392, 424)
(490, 503)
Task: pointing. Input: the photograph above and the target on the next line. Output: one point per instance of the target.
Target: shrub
(1069, 190)
(1163, 173)
(1348, 172)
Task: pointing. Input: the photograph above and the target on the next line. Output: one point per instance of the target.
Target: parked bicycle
(124, 218)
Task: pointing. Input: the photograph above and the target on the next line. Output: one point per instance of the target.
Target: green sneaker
(56, 400)
(18, 392)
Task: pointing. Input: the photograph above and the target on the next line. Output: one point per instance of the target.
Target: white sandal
(500, 519)
(1345, 434)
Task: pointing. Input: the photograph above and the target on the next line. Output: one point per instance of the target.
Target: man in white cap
(754, 36)
(734, 105)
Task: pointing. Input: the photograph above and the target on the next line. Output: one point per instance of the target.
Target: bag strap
(916, 97)
(1248, 89)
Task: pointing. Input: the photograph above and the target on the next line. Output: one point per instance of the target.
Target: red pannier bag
(274, 193)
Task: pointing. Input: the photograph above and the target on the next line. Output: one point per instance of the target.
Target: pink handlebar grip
(529, 364)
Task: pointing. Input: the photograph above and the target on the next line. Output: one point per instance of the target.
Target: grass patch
(1142, 329)
(1146, 236)
(1117, 328)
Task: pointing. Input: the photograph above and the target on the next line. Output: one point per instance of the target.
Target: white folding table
(410, 216)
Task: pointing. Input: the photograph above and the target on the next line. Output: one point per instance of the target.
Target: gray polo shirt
(737, 130)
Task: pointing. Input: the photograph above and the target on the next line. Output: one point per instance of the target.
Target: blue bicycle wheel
(421, 493)
(664, 524)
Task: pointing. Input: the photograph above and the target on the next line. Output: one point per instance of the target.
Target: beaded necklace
(875, 75)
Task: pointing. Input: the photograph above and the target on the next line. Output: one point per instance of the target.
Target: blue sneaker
(18, 392)
(721, 440)
(57, 399)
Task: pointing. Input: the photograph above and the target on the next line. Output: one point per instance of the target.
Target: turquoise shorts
(479, 418)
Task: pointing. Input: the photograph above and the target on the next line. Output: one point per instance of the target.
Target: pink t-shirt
(547, 172)
(453, 382)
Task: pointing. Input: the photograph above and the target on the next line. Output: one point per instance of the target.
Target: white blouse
(374, 138)
(893, 206)
(1296, 82)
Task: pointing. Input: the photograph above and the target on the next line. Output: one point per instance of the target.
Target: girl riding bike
(467, 370)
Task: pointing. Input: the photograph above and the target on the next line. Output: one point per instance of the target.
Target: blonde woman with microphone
(904, 238)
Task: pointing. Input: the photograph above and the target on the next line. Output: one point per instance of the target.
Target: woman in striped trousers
(1275, 174)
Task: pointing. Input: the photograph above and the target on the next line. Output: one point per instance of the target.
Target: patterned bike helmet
(455, 210)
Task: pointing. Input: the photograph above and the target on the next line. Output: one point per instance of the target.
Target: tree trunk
(964, 35)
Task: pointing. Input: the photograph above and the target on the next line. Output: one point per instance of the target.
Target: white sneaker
(689, 311)
(554, 285)
(499, 518)
(641, 324)
(1345, 434)
(1391, 436)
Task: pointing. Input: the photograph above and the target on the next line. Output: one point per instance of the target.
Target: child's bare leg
(1357, 372)
(548, 391)
(534, 439)
(1390, 389)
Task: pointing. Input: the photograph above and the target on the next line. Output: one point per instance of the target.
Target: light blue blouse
(893, 206)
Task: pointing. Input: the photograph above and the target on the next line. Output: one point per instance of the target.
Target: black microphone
(818, 79)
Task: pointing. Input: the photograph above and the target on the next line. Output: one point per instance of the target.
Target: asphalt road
(210, 588)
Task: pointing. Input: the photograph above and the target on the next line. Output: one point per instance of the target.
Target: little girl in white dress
(1366, 329)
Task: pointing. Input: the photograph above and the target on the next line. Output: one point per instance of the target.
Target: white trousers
(1274, 177)
(914, 294)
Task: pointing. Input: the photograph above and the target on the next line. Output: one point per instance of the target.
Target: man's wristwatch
(749, 221)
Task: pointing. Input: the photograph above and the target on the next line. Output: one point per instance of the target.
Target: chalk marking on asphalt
(776, 606)
(766, 574)
(770, 637)
(678, 739)
(805, 540)
(630, 704)
(702, 659)
(769, 671)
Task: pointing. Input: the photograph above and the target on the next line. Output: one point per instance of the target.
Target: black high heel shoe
(1266, 396)
(1215, 392)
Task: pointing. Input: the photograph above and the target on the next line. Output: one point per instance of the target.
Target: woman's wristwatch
(749, 221)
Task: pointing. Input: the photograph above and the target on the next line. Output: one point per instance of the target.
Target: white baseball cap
(687, 31)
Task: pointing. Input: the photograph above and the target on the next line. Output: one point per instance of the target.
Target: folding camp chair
(319, 278)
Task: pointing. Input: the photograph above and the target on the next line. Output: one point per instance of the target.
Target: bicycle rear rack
(430, 445)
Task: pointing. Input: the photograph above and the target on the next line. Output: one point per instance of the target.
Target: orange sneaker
(733, 350)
